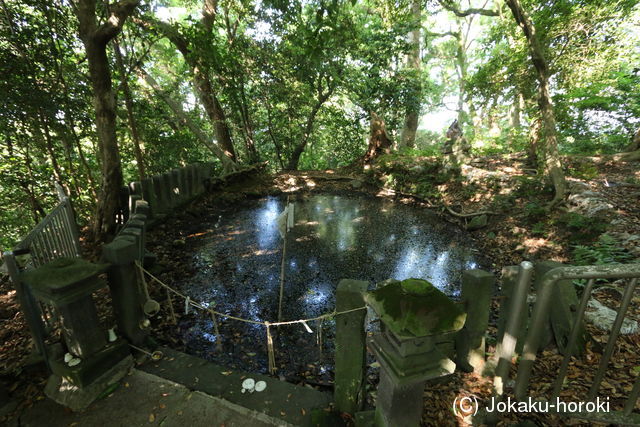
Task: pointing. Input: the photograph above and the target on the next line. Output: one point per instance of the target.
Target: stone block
(398, 405)
(350, 347)
(477, 287)
(509, 281)
(564, 311)
(126, 294)
(540, 269)
(77, 398)
(176, 196)
(149, 195)
(161, 205)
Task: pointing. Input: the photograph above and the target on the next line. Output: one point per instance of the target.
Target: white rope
(270, 348)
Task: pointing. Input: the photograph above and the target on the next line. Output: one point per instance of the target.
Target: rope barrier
(213, 313)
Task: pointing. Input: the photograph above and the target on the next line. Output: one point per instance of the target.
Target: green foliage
(583, 170)
(604, 251)
(534, 211)
(582, 228)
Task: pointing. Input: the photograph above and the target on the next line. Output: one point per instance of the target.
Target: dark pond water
(335, 236)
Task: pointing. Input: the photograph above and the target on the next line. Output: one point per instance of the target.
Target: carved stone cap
(415, 308)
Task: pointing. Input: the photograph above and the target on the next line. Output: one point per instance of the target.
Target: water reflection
(334, 237)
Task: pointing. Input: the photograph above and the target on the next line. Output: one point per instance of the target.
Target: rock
(603, 317)
(356, 183)
(477, 222)
(591, 204)
(576, 187)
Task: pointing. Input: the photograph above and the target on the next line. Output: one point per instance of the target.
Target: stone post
(149, 195)
(350, 347)
(197, 179)
(126, 295)
(182, 177)
(158, 187)
(136, 188)
(477, 286)
(67, 284)
(561, 317)
(540, 269)
(186, 181)
(415, 318)
(509, 281)
(133, 199)
(191, 178)
(176, 196)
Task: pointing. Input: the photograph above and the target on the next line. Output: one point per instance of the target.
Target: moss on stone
(61, 272)
(414, 307)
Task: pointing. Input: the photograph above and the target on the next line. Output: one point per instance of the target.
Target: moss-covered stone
(415, 308)
(64, 280)
(61, 272)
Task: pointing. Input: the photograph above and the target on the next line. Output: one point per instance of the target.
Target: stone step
(282, 400)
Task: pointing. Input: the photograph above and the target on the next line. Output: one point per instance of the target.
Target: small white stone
(74, 362)
(67, 357)
(260, 386)
(248, 384)
(112, 335)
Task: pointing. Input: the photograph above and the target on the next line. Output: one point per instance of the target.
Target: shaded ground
(518, 231)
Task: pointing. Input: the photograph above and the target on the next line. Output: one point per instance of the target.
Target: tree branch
(451, 7)
(119, 13)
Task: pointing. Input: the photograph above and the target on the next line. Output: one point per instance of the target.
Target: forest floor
(517, 229)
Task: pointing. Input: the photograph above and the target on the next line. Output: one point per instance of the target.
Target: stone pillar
(194, 180)
(350, 347)
(509, 282)
(133, 199)
(191, 178)
(540, 269)
(136, 188)
(415, 317)
(160, 194)
(561, 317)
(176, 196)
(149, 195)
(67, 285)
(182, 182)
(197, 179)
(126, 294)
(477, 286)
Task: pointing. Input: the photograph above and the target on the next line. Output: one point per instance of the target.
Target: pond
(239, 263)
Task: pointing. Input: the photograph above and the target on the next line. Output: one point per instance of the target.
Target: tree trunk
(214, 111)
(516, 113)
(379, 141)
(227, 164)
(308, 128)
(549, 152)
(95, 39)
(635, 142)
(128, 102)
(201, 80)
(410, 128)
(534, 142)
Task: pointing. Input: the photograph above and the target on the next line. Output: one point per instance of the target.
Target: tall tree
(95, 38)
(408, 135)
(549, 145)
(128, 102)
(201, 70)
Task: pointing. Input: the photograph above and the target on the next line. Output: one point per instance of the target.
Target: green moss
(414, 307)
(61, 272)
